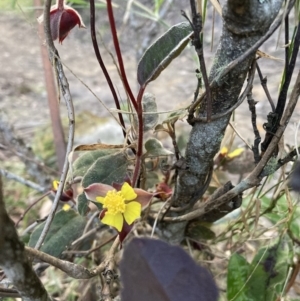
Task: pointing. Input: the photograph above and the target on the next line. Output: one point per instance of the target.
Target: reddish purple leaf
(153, 270)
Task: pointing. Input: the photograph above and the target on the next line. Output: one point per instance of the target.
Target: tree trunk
(244, 23)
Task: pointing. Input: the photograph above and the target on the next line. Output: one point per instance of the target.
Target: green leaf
(268, 271)
(154, 148)
(238, 270)
(87, 159)
(160, 54)
(82, 204)
(106, 170)
(66, 227)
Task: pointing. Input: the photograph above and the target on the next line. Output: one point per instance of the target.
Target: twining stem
(139, 152)
(119, 54)
(102, 65)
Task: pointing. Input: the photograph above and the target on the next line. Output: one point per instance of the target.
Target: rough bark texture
(14, 262)
(244, 23)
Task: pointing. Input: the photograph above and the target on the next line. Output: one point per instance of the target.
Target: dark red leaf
(152, 270)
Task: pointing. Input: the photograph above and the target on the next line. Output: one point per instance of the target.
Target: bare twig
(234, 63)
(256, 175)
(108, 273)
(33, 204)
(73, 270)
(263, 81)
(12, 176)
(139, 153)
(64, 86)
(283, 92)
(198, 44)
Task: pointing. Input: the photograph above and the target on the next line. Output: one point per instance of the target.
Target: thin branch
(73, 270)
(30, 184)
(284, 91)
(64, 86)
(198, 44)
(252, 109)
(263, 81)
(139, 153)
(108, 273)
(240, 59)
(33, 204)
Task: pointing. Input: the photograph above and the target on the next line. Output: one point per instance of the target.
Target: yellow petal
(115, 221)
(66, 207)
(236, 153)
(55, 185)
(132, 212)
(224, 150)
(128, 192)
(100, 199)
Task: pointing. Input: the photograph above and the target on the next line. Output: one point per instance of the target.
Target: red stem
(102, 65)
(119, 54)
(139, 152)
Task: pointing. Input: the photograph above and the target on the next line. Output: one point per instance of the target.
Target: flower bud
(62, 20)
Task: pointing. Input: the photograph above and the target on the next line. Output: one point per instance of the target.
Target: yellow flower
(120, 205)
(232, 155)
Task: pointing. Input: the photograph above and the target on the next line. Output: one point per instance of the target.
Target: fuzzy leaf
(153, 270)
(106, 170)
(160, 54)
(154, 148)
(238, 270)
(87, 159)
(82, 204)
(66, 227)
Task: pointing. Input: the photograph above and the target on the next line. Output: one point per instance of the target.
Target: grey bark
(14, 262)
(244, 23)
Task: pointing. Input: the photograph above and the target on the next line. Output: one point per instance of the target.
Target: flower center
(114, 202)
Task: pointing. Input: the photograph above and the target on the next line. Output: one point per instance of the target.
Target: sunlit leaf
(161, 53)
